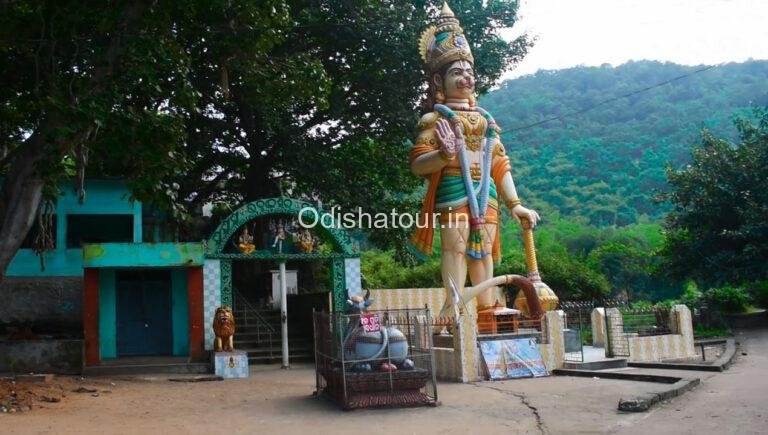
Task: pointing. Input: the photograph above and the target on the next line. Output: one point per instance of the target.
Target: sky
(593, 32)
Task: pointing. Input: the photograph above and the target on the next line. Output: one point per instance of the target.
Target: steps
(146, 365)
(259, 334)
(612, 363)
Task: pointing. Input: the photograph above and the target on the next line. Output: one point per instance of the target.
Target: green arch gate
(217, 269)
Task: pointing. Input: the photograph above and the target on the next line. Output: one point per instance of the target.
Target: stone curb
(197, 379)
(639, 377)
(720, 364)
(644, 403)
(31, 378)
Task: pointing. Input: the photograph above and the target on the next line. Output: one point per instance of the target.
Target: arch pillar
(226, 283)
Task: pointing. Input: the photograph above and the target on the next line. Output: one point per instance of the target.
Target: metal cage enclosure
(354, 382)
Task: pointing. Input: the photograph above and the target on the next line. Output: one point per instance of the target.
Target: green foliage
(626, 256)
(586, 336)
(103, 83)
(578, 261)
(606, 165)
(380, 270)
(571, 278)
(717, 228)
(320, 99)
(728, 299)
(705, 332)
(759, 292)
(568, 275)
(666, 303)
(626, 265)
(641, 305)
(691, 293)
(195, 101)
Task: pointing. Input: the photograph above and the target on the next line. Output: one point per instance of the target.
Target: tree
(718, 231)
(626, 265)
(326, 112)
(80, 81)
(201, 100)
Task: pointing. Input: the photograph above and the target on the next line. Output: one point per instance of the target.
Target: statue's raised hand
(450, 142)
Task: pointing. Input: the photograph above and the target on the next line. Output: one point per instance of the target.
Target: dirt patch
(22, 395)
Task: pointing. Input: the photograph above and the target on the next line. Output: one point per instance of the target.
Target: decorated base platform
(378, 389)
(498, 319)
(231, 365)
(457, 357)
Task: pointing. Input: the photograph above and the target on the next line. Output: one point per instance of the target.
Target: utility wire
(611, 100)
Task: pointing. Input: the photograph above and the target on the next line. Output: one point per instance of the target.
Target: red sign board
(371, 322)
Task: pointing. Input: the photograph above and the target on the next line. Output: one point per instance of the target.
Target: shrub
(691, 295)
(380, 270)
(571, 278)
(666, 303)
(728, 299)
(642, 305)
(704, 332)
(759, 292)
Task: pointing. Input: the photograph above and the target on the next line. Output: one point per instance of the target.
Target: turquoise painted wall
(101, 197)
(60, 262)
(180, 311)
(107, 314)
(142, 254)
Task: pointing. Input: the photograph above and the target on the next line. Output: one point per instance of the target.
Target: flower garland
(477, 209)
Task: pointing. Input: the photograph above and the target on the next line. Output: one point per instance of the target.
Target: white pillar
(284, 313)
(597, 318)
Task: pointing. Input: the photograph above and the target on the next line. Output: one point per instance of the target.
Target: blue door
(143, 312)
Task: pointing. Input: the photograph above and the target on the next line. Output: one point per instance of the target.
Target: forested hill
(606, 164)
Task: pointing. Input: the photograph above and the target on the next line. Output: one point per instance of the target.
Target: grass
(701, 332)
(634, 322)
(586, 337)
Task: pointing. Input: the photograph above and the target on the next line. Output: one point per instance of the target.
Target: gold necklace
(471, 124)
(473, 141)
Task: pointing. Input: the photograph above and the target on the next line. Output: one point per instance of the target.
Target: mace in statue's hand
(450, 142)
(523, 214)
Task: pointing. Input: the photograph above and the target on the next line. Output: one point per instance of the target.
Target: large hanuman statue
(459, 152)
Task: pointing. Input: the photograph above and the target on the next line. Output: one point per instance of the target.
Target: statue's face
(459, 80)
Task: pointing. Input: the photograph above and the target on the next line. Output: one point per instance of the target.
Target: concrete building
(114, 288)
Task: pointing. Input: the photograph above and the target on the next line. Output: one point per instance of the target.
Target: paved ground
(278, 401)
(732, 402)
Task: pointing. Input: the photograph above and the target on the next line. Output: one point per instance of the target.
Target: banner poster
(511, 359)
(493, 355)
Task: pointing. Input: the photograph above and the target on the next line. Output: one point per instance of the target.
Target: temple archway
(217, 270)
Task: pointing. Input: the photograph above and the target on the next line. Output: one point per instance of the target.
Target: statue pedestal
(497, 319)
(231, 365)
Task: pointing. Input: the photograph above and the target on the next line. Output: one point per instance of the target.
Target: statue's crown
(444, 42)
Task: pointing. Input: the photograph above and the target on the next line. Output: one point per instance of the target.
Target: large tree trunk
(20, 198)
(259, 182)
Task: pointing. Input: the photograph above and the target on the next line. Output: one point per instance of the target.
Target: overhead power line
(611, 100)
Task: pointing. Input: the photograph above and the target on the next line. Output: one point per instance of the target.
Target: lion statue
(224, 328)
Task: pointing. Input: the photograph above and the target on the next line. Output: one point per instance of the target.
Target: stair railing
(250, 316)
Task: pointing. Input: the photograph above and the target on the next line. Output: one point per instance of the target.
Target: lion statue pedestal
(231, 365)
